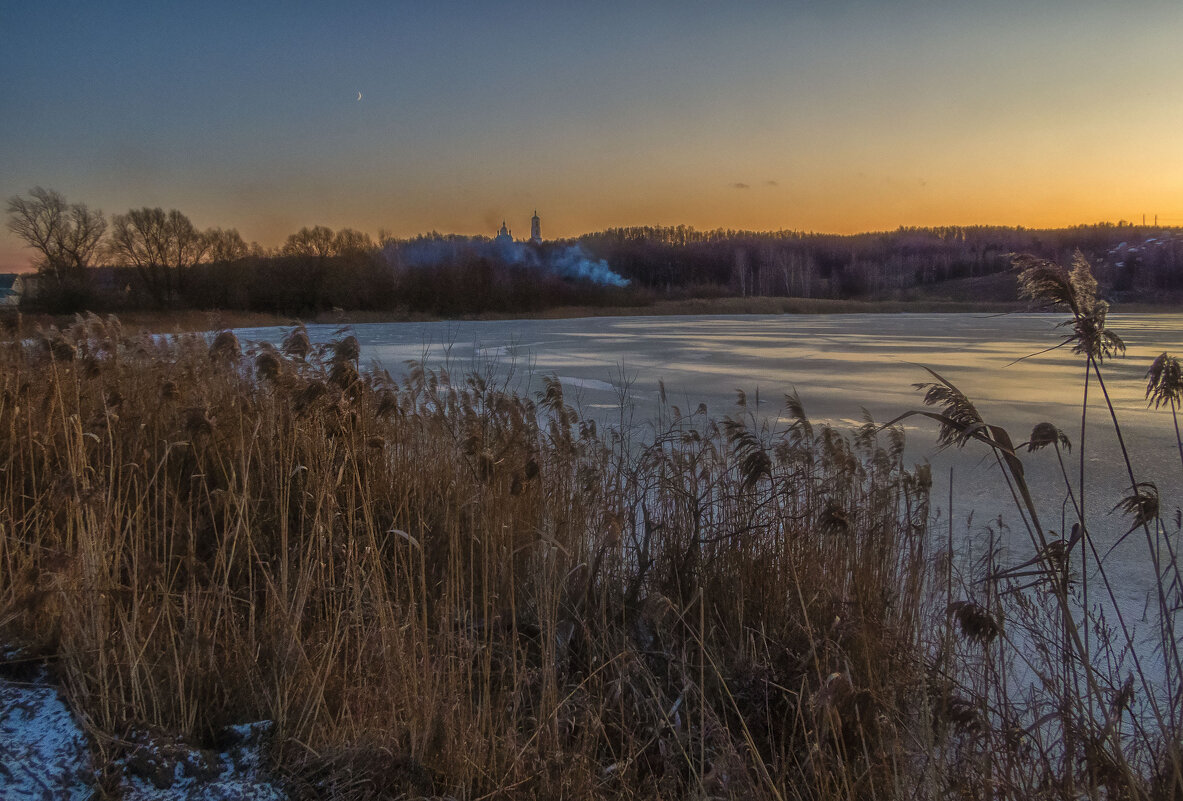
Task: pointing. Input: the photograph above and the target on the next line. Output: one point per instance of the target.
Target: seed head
(225, 347)
(1045, 434)
(1165, 382)
(296, 343)
(975, 620)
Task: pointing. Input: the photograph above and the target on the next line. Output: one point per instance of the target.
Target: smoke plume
(565, 261)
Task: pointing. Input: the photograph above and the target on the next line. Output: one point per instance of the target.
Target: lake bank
(190, 320)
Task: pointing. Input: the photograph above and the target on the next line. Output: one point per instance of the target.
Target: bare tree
(66, 235)
(160, 245)
(349, 242)
(315, 241)
(225, 245)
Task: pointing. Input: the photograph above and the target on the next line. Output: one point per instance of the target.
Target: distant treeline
(879, 266)
(374, 280)
(153, 259)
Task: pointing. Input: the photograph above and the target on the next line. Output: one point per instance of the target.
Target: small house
(12, 289)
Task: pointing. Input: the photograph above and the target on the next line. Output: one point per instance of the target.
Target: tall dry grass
(1059, 692)
(434, 586)
(437, 587)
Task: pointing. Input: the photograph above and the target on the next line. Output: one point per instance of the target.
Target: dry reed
(435, 586)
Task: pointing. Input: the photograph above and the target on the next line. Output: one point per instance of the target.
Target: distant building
(12, 289)
(504, 235)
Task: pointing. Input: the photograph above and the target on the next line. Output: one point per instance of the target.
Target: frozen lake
(842, 365)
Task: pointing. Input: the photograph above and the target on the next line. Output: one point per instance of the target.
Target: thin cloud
(739, 185)
(771, 183)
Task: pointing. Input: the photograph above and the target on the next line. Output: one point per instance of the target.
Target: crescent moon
(359, 95)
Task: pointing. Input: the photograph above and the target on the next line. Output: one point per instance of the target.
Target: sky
(837, 116)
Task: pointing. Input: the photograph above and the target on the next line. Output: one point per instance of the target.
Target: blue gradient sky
(837, 116)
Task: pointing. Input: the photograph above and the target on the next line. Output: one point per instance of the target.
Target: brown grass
(433, 586)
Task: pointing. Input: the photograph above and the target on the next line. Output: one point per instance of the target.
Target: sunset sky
(827, 116)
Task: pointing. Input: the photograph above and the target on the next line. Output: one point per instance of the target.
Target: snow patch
(43, 752)
(165, 768)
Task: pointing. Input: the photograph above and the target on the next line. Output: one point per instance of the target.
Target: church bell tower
(536, 229)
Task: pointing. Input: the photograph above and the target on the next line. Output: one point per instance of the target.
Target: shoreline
(193, 320)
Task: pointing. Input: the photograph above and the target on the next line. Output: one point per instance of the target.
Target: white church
(504, 234)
